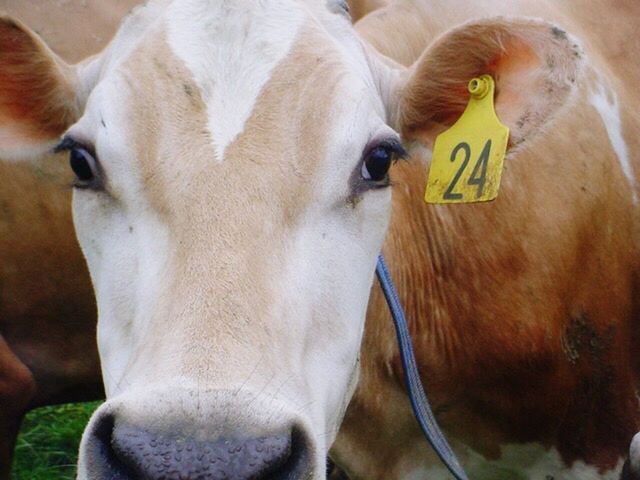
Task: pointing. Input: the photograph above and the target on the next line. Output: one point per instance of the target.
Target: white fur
(521, 462)
(634, 453)
(231, 48)
(605, 101)
(126, 249)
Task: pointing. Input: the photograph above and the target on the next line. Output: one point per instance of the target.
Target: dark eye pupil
(378, 163)
(80, 164)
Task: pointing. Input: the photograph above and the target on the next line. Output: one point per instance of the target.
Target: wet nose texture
(129, 452)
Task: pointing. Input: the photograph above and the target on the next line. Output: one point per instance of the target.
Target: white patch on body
(231, 49)
(605, 101)
(531, 461)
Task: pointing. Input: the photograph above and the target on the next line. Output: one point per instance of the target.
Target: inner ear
(534, 64)
(37, 91)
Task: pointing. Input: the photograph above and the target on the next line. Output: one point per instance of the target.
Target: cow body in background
(522, 310)
(47, 312)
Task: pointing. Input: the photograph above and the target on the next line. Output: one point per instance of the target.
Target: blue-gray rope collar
(417, 395)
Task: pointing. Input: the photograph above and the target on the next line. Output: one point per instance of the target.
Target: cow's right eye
(84, 166)
(83, 163)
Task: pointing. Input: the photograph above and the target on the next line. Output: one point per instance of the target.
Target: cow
(232, 192)
(48, 352)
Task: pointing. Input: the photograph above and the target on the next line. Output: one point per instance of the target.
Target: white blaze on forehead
(605, 101)
(231, 48)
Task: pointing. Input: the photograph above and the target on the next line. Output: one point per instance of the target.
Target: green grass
(47, 447)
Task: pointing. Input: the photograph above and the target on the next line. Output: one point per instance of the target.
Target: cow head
(232, 195)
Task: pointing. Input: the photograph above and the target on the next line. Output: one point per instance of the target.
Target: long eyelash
(398, 149)
(66, 144)
(399, 152)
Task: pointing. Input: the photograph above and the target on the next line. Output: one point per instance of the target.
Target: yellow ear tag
(467, 160)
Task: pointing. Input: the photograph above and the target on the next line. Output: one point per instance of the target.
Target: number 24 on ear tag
(467, 160)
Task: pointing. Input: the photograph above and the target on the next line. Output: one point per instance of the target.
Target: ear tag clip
(467, 160)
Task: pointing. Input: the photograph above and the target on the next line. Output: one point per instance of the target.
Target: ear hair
(37, 89)
(537, 55)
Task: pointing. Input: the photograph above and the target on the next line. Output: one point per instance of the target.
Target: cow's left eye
(378, 159)
(377, 163)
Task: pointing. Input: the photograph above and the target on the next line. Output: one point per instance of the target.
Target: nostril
(298, 463)
(100, 457)
(102, 431)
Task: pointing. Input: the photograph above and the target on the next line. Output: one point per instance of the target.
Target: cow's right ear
(38, 100)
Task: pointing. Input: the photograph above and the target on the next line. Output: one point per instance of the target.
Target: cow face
(232, 195)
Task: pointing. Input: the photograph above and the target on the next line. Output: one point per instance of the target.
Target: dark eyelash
(393, 144)
(67, 143)
(398, 149)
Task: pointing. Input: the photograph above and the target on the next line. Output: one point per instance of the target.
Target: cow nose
(131, 452)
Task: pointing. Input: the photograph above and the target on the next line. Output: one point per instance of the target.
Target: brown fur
(534, 68)
(17, 386)
(522, 310)
(37, 92)
(517, 339)
(283, 121)
(360, 8)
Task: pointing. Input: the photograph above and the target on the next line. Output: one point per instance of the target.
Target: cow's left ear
(535, 66)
